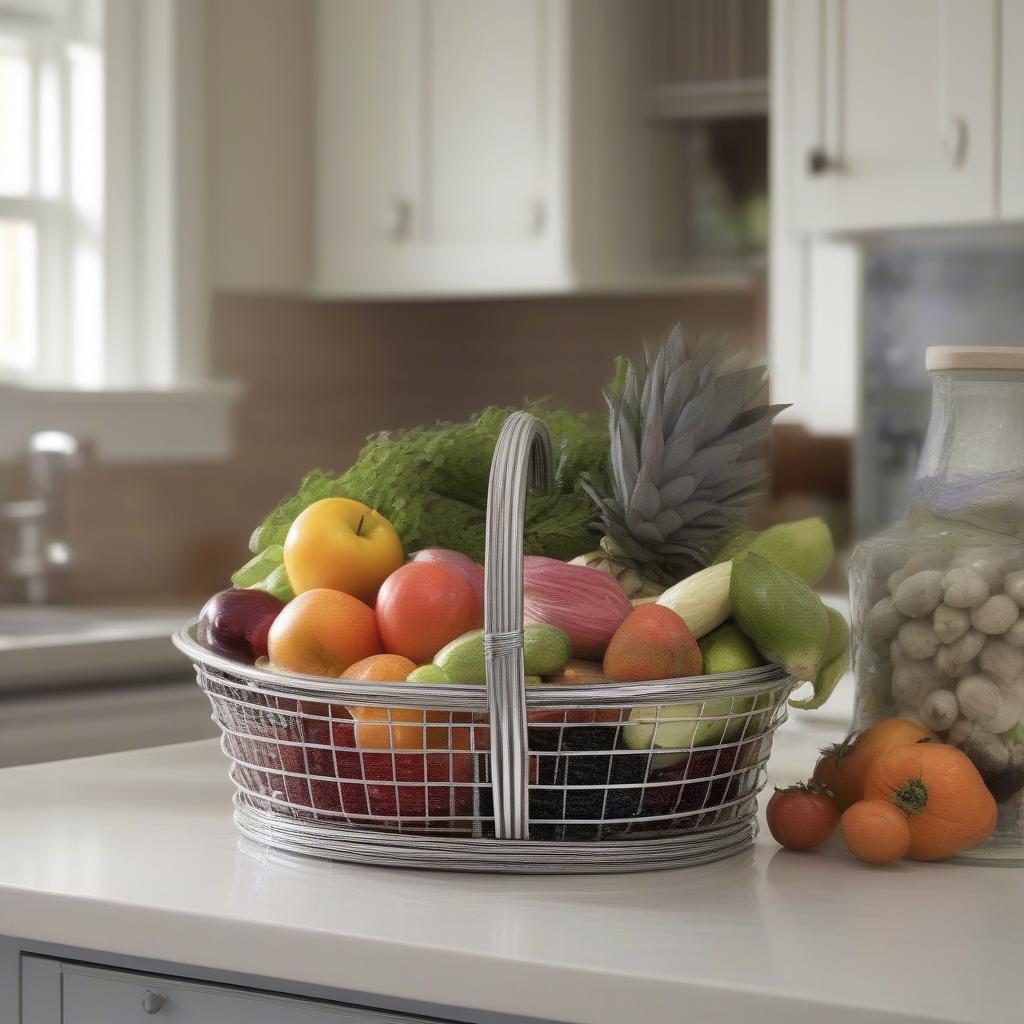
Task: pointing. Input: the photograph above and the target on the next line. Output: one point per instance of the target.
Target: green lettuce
(431, 483)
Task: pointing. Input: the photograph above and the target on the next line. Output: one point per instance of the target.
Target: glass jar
(936, 599)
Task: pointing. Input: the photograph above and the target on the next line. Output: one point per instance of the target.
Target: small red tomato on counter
(801, 817)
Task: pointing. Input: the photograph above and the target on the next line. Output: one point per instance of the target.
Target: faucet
(37, 524)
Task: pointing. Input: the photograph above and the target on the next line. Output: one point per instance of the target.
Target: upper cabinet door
(367, 134)
(1012, 178)
(893, 107)
(485, 102)
(436, 170)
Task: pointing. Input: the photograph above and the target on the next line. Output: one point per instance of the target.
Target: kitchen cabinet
(50, 725)
(1012, 110)
(814, 310)
(892, 112)
(56, 992)
(436, 161)
(885, 117)
(486, 147)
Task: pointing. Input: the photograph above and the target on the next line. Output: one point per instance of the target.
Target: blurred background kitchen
(237, 236)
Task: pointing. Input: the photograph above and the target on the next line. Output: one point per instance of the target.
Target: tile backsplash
(318, 378)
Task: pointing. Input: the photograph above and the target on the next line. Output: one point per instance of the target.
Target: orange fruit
(384, 668)
(844, 766)
(400, 728)
(322, 633)
(423, 606)
(876, 831)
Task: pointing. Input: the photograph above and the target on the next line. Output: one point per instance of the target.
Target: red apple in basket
(706, 779)
(288, 754)
(323, 761)
(432, 781)
(235, 623)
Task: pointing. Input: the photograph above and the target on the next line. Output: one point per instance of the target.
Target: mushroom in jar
(912, 681)
(984, 748)
(993, 707)
(962, 588)
(939, 710)
(918, 639)
(1002, 661)
(996, 615)
(883, 620)
(1014, 586)
(919, 594)
(950, 623)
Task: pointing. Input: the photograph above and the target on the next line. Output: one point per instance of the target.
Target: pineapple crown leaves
(685, 453)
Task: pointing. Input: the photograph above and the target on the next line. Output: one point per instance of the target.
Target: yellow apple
(341, 544)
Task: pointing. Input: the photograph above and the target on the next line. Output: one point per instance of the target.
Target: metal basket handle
(522, 457)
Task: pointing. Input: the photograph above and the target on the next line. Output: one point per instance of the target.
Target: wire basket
(501, 776)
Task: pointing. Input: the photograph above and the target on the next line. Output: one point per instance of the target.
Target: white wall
(260, 143)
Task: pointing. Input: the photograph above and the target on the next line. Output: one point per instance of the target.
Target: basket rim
(473, 697)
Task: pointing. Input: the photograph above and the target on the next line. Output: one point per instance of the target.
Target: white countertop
(136, 854)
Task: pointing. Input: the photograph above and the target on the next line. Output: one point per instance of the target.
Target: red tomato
(423, 606)
(801, 817)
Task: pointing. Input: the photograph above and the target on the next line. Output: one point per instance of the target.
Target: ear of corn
(701, 600)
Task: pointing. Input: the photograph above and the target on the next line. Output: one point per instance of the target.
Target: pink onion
(589, 605)
(472, 572)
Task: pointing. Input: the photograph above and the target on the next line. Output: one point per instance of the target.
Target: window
(51, 192)
(103, 294)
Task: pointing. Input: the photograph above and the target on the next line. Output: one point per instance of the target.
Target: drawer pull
(818, 162)
(152, 1002)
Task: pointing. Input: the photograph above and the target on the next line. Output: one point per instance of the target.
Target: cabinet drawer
(98, 995)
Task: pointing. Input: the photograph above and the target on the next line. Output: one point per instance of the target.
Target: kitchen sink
(65, 646)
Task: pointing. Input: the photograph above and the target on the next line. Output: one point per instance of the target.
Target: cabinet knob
(152, 1002)
(398, 218)
(817, 161)
(954, 140)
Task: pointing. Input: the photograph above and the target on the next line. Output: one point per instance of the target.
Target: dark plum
(574, 767)
(235, 623)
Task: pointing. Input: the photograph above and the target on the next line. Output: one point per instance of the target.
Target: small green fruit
(780, 613)
(462, 660)
(427, 674)
(546, 649)
(728, 649)
(804, 547)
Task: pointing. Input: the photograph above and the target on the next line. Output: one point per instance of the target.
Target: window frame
(48, 39)
(156, 287)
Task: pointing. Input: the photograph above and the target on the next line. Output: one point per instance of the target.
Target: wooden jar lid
(958, 357)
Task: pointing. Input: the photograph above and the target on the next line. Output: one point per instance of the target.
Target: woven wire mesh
(595, 773)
